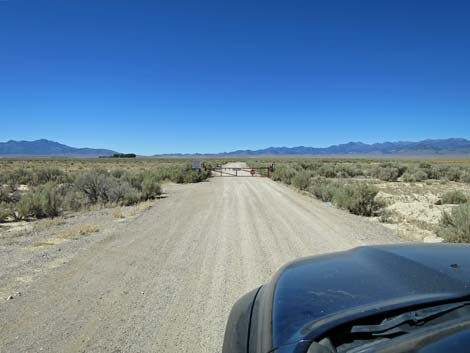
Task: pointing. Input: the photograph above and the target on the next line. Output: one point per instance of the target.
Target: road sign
(252, 172)
(196, 164)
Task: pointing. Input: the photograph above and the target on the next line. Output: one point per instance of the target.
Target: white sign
(196, 164)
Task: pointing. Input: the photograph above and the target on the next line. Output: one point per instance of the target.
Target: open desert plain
(161, 276)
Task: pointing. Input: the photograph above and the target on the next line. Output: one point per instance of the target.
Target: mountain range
(46, 148)
(458, 147)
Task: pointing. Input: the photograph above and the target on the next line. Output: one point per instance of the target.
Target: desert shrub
(5, 211)
(45, 201)
(453, 174)
(420, 175)
(184, 175)
(73, 200)
(101, 187)
(195, 176)
(348, 170)
(151, 187)
(284, 173)
(178, 177)
(434, 172)
(388, 171)
(134, 179)
(29, 206)
(327, 171)
(49, 199)
(408, 178)
(465, 177)
(116, 191)
(43, 175)
(416, 176)
(117, 173)
(357, 198)
(301, 180)
(5, 195)
(19, 176)
(131, 198)
(455, 227)
(323, 189)
(454, 197)
(90, 183)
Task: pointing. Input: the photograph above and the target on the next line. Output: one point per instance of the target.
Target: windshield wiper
(414, 317)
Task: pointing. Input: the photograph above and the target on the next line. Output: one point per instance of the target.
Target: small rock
(10, 297)
(18, 294)
(59, 249)
(142, 292)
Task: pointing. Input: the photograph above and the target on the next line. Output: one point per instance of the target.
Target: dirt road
(166, 281)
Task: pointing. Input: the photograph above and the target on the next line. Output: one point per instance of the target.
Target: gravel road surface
(166, 281)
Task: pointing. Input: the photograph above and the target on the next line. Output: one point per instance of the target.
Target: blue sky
(209, 76)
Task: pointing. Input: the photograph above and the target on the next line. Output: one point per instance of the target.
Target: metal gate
(221, 171)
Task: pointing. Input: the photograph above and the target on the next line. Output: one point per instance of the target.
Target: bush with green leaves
(135, 179)
(5, 195)
(301, 180)
(357, 198)
(465, 177)
(44, 175)
(454, 227)
(416, 176)
(50, 199)
(348, 170)
(388, 171)
(453, 174)
(151, 188)
(73, 199)
(284, 173)
(454, 197)
(29, 206)
(323, 189)
(5, 211)
(52, 189)
(91, 184)
(327, 171)
(195, 176)
(131, 198)
(45, 201)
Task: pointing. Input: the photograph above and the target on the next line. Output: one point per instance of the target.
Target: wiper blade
(416, 317)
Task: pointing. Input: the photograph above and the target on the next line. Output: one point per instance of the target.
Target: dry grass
(69, 233)
(77, 231)
(117, 214)
(141, 207)
(44, 243)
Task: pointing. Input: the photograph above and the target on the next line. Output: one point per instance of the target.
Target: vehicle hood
(313, 295)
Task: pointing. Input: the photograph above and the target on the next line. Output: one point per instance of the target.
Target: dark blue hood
(312, 295)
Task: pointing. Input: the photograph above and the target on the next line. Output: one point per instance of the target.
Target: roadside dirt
(165, 280)
(414, 209)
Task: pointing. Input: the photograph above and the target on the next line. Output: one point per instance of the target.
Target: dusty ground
(163, 280)
(414, 210)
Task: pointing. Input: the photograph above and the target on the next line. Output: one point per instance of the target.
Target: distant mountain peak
(47, 148)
